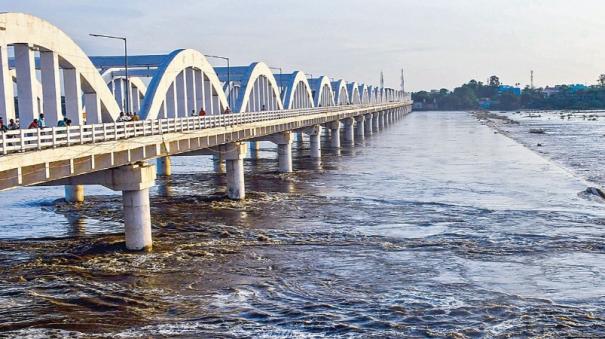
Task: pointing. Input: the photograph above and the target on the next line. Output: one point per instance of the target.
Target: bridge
(185, 107)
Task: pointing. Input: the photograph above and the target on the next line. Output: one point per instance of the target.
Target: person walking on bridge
(202, 112)
(227, 110)
(12, 125)
(135, 117)
(41, 121)
(3, 126)
(33, 124)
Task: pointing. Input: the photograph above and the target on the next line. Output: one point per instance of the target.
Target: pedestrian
(41, 121)
(135, 117)
(202, 112)
(34, 124)
(12, 125)
(62, 122)
(227, 110)
(68, 122)
(264, 108)
(3, 126)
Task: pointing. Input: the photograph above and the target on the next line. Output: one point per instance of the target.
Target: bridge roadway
(116, 155)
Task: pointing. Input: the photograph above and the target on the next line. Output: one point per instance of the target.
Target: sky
(438, 43)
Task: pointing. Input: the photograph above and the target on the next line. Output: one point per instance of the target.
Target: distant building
(510, 89)
(548, 91)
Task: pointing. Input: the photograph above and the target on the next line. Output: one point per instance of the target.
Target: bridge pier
(283, 140)
(314, 134)
(218, 162)
(376, 122)
(74, 193)
(381, 120)
(349, 135)
(334, 127)
(234, 157)
(164, 166)
(369, 122)
(360, 127)
(134, 182)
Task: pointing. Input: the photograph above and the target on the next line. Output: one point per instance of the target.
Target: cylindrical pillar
(254, 146)
(335, 134)
(284, 153)
(360, 128)
(218, 162)
(235, 179)
(376, 122)
(164, 166)
(369, 123)
(349, 132)
(137, 219)
(315, 142)
(74, 193)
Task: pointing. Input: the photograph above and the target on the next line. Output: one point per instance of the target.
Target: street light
(127, 109)
(228, 76)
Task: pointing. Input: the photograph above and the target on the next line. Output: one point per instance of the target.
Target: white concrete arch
(258, 87)
(29, 35)
(117, 85)
(354, 96)
(341, 94)
(371, 94)
(183, 83)
(297, 90)
(364, 94)
(321, 88)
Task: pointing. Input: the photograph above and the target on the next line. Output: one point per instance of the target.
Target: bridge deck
(39, 156)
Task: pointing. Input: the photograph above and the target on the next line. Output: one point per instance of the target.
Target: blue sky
(440, 43)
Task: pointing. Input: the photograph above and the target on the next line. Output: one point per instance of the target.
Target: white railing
(23, 140)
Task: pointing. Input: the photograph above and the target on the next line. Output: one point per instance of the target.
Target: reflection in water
(435, 227)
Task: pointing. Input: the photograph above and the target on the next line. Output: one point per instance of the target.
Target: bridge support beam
(376, 122)
(234, 156)
(134, 181)
(334, 127)
(360, 127)
(283, 140)
(164, 166)
(74, 193)
(369, 123)
(381, 120)
(349, 136)
(218, 162)
(314, 134)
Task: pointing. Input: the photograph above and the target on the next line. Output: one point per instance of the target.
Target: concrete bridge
(52, 74)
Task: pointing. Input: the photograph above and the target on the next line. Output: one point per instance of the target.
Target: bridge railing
(23, 140)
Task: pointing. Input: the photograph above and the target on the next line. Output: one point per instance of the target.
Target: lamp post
(127, 108)
(228, 76)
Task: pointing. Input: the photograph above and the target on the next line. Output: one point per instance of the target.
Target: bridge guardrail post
(39, 138)
(4, 148)
(81, 134)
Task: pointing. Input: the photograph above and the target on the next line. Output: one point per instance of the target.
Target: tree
(494, 81)
(601, 80)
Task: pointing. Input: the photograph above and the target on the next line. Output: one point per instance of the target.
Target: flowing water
(436, 226)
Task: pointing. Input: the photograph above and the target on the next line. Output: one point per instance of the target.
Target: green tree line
(472, 94)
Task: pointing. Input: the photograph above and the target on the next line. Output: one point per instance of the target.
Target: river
(436, 226)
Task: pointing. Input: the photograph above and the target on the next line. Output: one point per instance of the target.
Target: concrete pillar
(376, 123)
(218, 161)
(381, 120)
(314, 140)
(334, 127)
(7, 97)
(284, 153)
(284, 150)
(137, 219)
(92, 106)
(73, 95)
(26, 78)
(369, 120)
(164, 166)
(349, 135)
(74, 193)
(234, 157)
(254, 146)
(360, 127)
(51, 87)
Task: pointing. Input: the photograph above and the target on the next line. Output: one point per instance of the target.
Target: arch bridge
(185, 107)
